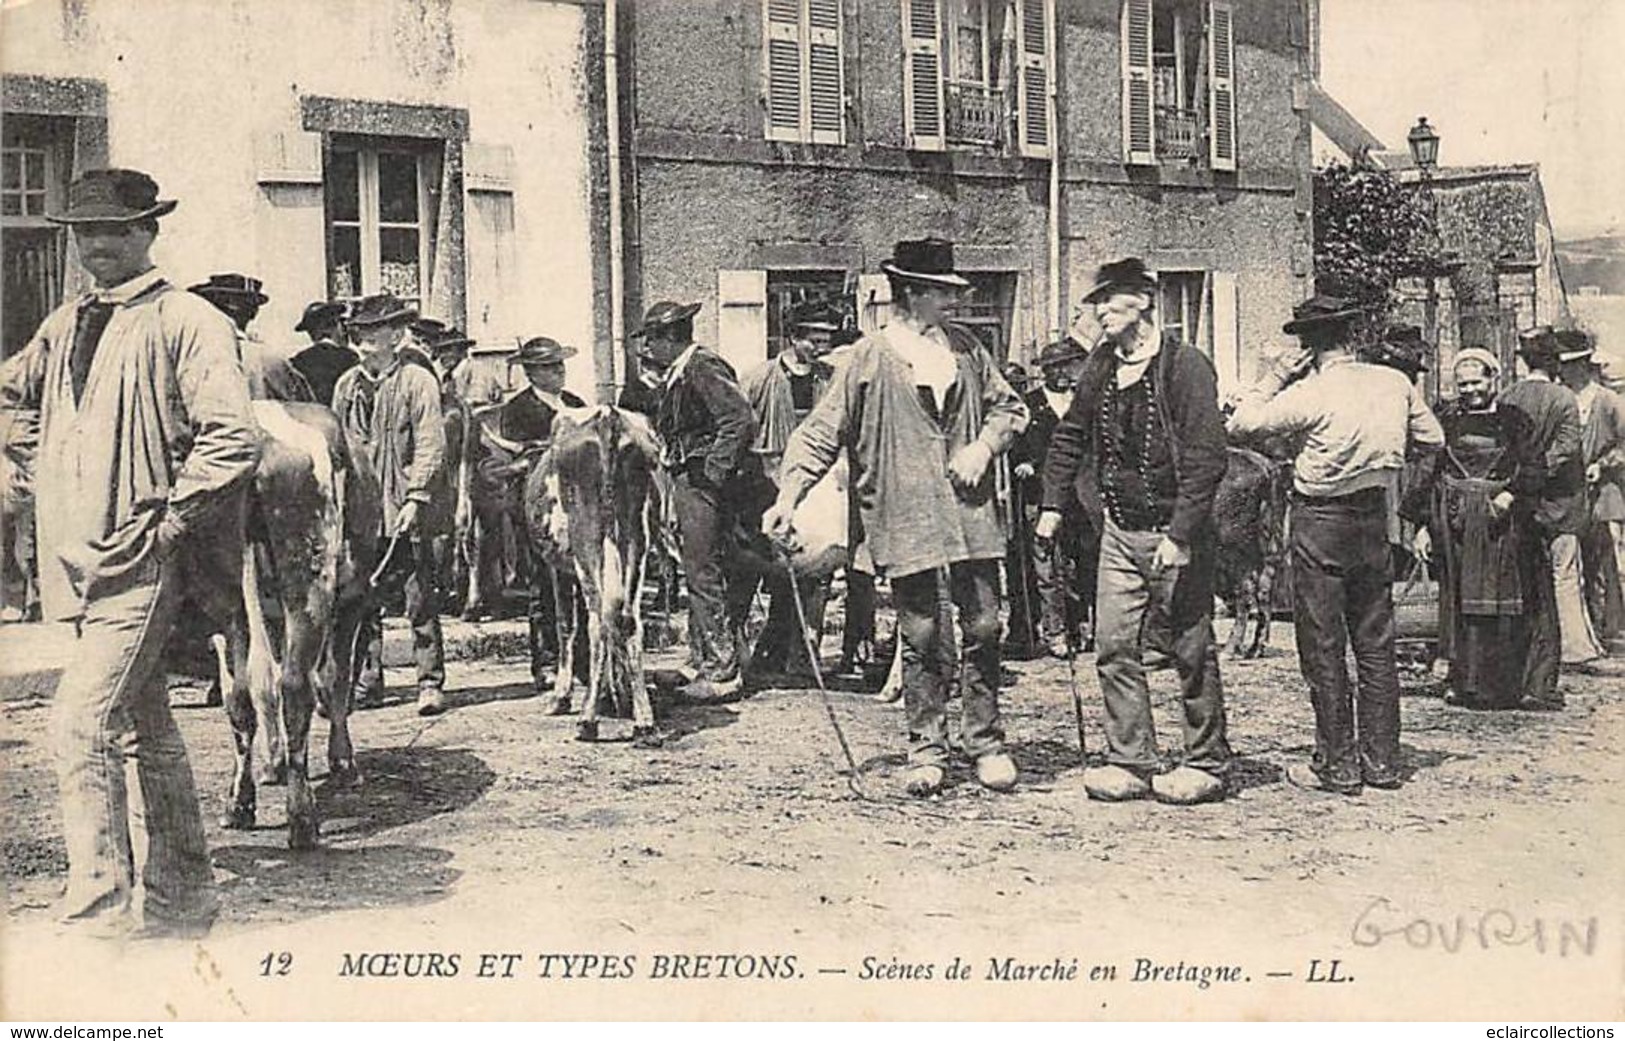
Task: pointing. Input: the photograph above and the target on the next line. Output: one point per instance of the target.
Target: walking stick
(1077, 696)
(818, 678)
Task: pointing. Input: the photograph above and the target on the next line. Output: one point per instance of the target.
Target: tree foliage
(1370, 230)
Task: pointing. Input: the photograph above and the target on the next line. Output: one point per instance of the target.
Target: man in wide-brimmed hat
(1357, 423)
(390, 408)
(1550, 490)
(524, 429)
(329, 356)
(1602, 446)
(921, 410)
(782, 391)
(1062, 568)
(708, 428)
(1401, 347)
(271, 377)
(1140, 452)
(147, 445)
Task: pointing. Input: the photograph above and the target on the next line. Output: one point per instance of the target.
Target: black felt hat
(666, 312)
(112, 196)
(925, 260)
(232, 286)
(381, 309)
(1320, 311)
(541, 350)
(1060, 352)
(318, 314)
(1128, 275)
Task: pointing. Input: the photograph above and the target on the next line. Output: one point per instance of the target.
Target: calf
(590, 505)
(1249, 511)
(313, 516)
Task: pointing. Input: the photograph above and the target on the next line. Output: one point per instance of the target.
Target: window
(805, 91)
(381, 214)
(986, 307)
(1182, 308)
(788, 291)
(976, 70)
(1179, 104)
(35, 156)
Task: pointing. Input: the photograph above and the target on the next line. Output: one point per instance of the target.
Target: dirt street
(1488, 887)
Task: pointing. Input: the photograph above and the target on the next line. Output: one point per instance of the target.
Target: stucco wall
(194, 84)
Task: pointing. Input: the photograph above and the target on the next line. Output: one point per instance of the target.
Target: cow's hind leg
(1263, 602)
(304, 644)
(597, 654)
(629, 657)
(566, 621)
(240, 812)
(338, 690)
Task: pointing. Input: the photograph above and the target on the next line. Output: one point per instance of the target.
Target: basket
(1416, 606)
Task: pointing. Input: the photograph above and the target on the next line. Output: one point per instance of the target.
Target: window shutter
(825, 80)
(1226, 331)
(1221, 91)
(742, 318)
(1139, 129)
(785, 96)
(922, 74)
(1033, 46)
(874, 302)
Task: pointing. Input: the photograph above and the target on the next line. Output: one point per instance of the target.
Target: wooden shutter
(1221, 85)
(1139, 115)
(1033, 28)
(1226, 331)
(825, 82)
(784, 55)
(742, 318)
(922, 74)
(874, 302)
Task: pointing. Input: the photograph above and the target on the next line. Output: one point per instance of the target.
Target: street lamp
(1424, 142)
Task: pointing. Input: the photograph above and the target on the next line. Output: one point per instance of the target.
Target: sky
(1502, 81)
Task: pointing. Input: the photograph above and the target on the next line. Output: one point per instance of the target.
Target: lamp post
(1424, 144)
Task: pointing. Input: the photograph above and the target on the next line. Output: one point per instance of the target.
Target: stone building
(451, 152)
(777, 148)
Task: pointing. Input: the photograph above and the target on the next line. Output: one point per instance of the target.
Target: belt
(1363, 498)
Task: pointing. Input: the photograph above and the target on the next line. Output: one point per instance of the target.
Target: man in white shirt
(1355, 421)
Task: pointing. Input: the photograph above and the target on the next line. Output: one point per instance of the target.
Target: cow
(591, 505)
(313, 517)
(1249, 511)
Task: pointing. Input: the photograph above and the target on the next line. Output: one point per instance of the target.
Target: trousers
(410, 568)
(1579, 638)
(1342, 584)
(112, 727)
(719, 586)
(927, 660)
(1134, 605)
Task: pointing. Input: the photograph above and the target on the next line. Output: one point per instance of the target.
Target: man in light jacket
(147, 446)
(922, 412)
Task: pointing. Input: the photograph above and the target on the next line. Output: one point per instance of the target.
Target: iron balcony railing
(1179, 134)
(976, 113)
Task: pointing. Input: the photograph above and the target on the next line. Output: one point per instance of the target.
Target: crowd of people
(1070, 512)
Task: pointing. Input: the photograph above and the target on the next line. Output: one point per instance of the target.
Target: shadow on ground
(269, 883)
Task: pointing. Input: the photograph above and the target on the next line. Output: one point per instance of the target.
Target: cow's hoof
(304, 834)
(587, 730)
(214, 698)
(647, 737)
(238, 818)
(275, 776)
(344, 774)
(553, 705)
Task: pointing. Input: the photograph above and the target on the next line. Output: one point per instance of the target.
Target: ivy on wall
(1370, 230)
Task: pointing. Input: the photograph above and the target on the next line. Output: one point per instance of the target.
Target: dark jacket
(1551, 477)
(321, 364)
(1188, 395)
(1032, 446)
(706, 421)
(526, 417)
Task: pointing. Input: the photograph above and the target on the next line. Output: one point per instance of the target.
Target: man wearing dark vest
(524, 429)
(329, 356)
(708, 428)
(1141, 452)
